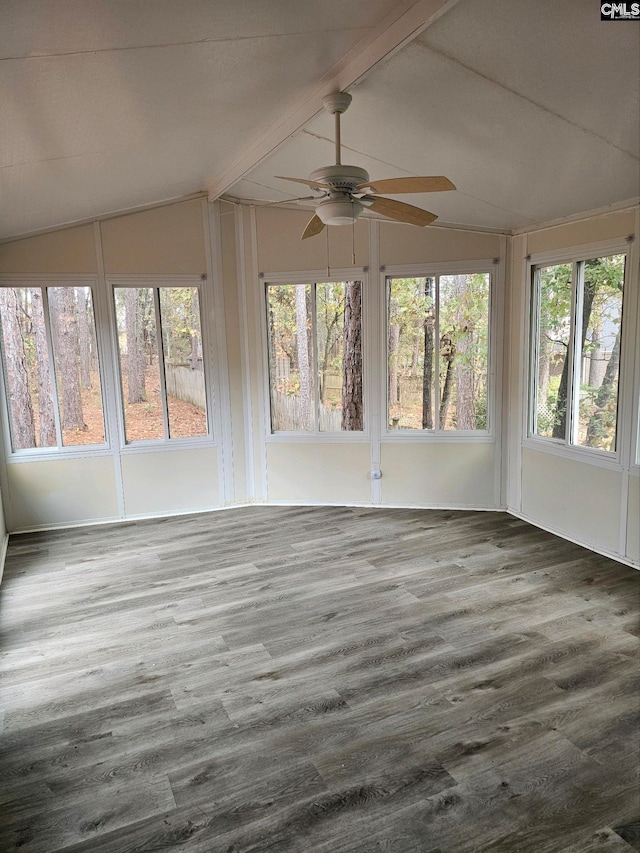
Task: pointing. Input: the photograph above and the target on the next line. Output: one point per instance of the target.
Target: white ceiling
(531, 107)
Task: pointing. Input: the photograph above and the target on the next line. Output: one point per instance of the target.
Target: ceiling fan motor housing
(340, 177)
(340, 208)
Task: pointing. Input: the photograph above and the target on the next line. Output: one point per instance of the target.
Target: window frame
(493, 268)
(312, 278)
(576, 256)
(155, 282)
(60, 451)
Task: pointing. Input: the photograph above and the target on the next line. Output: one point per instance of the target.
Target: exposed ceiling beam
(408, 19)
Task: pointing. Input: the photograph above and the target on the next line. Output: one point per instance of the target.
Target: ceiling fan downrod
(336, 103)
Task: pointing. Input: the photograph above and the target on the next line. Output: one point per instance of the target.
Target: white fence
(287, 414)
(186, 384)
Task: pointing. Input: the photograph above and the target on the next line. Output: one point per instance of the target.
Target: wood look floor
(317, 679)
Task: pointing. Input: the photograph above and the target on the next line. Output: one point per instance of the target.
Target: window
(315, 356)
(438, 352)
(50, 360)
(577, 325)
(161, 362)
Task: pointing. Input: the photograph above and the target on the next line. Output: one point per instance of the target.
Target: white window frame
(494, 269)
(312, 278)
(61, 451)
(564, 447)
(159, 281)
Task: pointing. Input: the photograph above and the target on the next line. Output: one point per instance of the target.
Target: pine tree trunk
(23, 431)
(302, 346)
(605, 396)
(46, 415)
(84, 336)
(352, 414)
(63, 317)
(135, 376)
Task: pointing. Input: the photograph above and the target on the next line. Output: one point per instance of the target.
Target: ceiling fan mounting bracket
(336, 102)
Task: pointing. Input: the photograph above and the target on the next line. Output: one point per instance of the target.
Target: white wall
(583, 497)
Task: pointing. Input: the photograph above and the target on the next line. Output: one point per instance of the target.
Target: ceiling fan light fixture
(339, 211)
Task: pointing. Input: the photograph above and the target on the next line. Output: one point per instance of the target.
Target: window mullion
(54, 381)
(436, 347)
(573, 395)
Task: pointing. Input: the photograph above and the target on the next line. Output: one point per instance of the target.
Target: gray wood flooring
(317, 679)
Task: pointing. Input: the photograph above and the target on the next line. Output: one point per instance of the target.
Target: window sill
(585, 455)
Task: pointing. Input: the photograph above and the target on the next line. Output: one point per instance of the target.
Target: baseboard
(602, 552)
(3, 553)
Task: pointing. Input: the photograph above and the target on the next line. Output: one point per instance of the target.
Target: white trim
(104, 338)
(611, 555)
(245, 358)
(262, 366)
(576, 452)
(22, 279)
(616, 207)
(220, 402)
(429, 436)
(432, 269)
(140, 279)
(313, 276)
(581, 252)
(3, 553)
(495, 400)
(374, 360)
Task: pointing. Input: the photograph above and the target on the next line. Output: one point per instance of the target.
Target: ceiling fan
(343, 192)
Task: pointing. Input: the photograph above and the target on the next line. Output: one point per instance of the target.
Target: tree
(84, 335)
(62, 309)
(428, 366)
(302, 346)
(23, 430)
(136, 392)
(46, 415)
(352, 414)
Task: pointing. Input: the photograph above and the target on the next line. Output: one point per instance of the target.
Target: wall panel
(633, 520)
(60, 492)
(168, 481)
(403, 244)
(69, 250)
(572, 498)
(454, 474)
(319, 472)
(165, 240)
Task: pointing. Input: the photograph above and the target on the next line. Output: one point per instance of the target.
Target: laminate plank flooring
(340, 680)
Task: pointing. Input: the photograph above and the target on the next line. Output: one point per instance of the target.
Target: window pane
(183, 367)
(139, 367)
(552, 363)
(411, 353)
(27, 368)
(464, 351)
(75, 355)
(339, 333)
(599, 352)
(291, 370)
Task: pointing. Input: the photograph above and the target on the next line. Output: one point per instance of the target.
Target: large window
(577, 326)
(438, 352)
(315, 356)
(161, 363)
(51, 369)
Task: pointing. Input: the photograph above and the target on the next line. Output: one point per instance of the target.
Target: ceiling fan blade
(399, 210)
(315, 184)
(314, 226)
(425, 184)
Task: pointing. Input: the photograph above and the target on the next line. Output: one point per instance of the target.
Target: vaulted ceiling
(529, 106)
